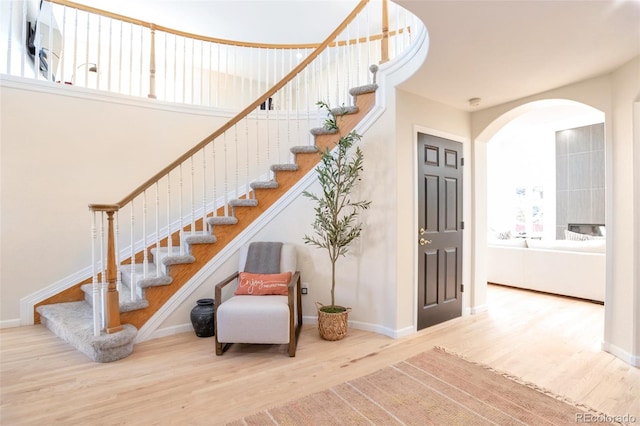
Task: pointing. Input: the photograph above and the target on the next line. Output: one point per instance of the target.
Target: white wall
(623, 283)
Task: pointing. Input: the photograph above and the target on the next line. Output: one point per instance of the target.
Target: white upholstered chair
(264, 318)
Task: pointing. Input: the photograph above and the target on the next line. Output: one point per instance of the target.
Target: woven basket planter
(332, 326)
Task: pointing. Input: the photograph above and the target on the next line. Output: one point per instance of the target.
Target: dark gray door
(439, 233)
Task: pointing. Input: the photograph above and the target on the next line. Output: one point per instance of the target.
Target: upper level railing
(274, 88)
(73, 44)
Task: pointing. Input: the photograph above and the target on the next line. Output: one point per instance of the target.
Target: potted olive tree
(336, 223)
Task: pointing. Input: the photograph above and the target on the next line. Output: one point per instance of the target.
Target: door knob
(423, 241)
(422, 231)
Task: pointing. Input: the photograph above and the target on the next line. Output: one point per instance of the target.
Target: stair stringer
(150, 327)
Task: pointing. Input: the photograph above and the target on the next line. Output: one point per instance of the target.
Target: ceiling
(500, 51)
(494, 50)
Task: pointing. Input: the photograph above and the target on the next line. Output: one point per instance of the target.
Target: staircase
(72, 320)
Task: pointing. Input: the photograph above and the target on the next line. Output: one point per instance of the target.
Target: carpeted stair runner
(73, 321)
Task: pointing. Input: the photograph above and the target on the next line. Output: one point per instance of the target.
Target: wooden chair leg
(218, 347)
(221, 347)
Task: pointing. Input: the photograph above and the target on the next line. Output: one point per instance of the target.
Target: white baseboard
(375, 328)
(10, 323)
(479, 309)
(620, 353)
(170, 331)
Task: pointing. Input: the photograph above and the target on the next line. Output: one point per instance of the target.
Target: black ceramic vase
(202, 318)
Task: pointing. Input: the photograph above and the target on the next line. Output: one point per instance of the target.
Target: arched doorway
(546, 201)
(530, 111)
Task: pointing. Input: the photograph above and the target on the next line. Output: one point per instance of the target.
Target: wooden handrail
(303, 64)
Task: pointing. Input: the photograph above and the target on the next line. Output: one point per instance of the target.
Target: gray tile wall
(580, 181)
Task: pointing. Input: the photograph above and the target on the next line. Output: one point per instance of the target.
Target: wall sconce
(90, 66)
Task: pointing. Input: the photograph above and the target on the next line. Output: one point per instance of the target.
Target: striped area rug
(435, 387)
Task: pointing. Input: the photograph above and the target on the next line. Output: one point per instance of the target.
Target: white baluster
(204, 190)
(210, 76)
(145, 251)
(269, 106)
(358, 49)
(201, 73)
(63, 34)
(103, 272)
(251, 68)
(214, 181)
(141, 62)
(120, 57)
(257, 139)
(337, 80)
(193, 197)
(165, 94)
(130, 59)
(349, 79)
(327, 78)
(289, 101)
(193, 83)
(110, 54)
(8, 69)
(296, 81)
(99, 60)
(180, 190)
(49, 48)
(307, 78)
(234, 80)
(237, 185)
(278, 113)
(156, 258)
(175, 71)
(278, 96)
(184, 70)
(23, 41)
(218, 79)
(134, 277)
(117, 252)
(86, 54)
(248, 190)
(95, 285)
(226, 176)
(169, 237)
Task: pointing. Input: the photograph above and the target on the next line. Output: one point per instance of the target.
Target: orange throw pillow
(263, 284)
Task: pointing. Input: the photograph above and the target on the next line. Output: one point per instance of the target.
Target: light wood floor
(550, 341)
